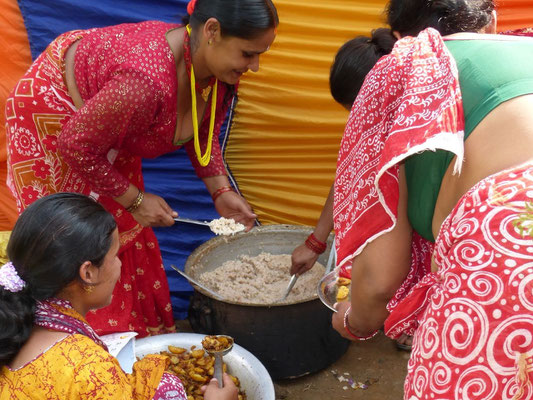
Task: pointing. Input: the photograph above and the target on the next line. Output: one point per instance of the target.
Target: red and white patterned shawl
(409, 102)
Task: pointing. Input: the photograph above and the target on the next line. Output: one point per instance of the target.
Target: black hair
(410, 17)
(245, 19)
(51, 239)
(353, 62)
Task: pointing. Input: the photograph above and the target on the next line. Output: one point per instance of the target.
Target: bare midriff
(502, 140)
(70, 78)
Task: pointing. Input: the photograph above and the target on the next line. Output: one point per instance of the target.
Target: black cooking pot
(291, 340)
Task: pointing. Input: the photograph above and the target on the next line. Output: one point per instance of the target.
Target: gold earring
(88, 289)
(209, 42)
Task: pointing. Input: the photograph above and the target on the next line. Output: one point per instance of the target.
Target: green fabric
(180, 142)
(487, 79)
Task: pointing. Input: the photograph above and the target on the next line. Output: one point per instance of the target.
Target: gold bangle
(136, 203)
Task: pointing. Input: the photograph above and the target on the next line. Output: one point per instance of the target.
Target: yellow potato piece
(174, 360)
(176, 350)
(343, 281)
(197, 353)
(197, 377)
(342, 293)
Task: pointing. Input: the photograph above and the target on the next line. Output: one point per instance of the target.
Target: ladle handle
(218, 370)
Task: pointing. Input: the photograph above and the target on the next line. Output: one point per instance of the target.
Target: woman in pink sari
(439, 142)
(97, 101)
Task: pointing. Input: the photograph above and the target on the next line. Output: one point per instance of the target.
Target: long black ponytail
(52, 238)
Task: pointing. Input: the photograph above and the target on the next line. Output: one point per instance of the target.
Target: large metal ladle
(195, 282)
(219, 365)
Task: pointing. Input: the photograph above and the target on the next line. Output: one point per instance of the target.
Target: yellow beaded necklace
(202, 159)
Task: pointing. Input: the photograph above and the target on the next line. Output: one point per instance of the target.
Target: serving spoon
(195, 282)
(291, 284)
(191, 221)
(218, 354)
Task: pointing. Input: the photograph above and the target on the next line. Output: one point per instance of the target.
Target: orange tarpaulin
(16, 58)
(514, 14)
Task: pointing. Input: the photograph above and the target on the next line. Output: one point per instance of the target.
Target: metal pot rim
(258, 230)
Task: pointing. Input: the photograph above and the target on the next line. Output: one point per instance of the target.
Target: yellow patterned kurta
(78, 368)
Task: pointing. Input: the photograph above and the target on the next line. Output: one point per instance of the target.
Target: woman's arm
(376, 275)
(303, 258)
(128, 100)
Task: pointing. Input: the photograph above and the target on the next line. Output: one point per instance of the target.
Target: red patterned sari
(97, 150)
(397, 113)
(474, 316)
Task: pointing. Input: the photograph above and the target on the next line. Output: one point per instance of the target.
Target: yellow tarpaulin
(284, 141)
(287, 128)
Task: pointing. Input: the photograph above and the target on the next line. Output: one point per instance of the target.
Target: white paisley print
(475, 339)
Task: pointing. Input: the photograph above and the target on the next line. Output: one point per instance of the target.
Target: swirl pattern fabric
(475, 338)
(410, 102)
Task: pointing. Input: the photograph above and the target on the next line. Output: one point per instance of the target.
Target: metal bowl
(291, 339)
(273, 239)
(254, 377)
(327, 289)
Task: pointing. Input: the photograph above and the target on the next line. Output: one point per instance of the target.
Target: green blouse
(490, 73)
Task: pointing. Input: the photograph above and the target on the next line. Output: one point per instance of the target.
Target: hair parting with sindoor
(245, 19)
(51, 239)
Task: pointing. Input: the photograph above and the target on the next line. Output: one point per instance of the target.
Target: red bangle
(352, 335)
(219, 191)
(315, 245)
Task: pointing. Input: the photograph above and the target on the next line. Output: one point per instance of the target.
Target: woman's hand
(337, 319)
(232, 205)
(154, 211)
(303, 259)
(228, 392)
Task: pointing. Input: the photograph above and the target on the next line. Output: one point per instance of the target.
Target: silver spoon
(191, 221)
(195, 282)
(293, 280)
(219, 369)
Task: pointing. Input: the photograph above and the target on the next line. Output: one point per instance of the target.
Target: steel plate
(255, 379)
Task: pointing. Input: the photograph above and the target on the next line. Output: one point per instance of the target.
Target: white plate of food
(255, 380)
